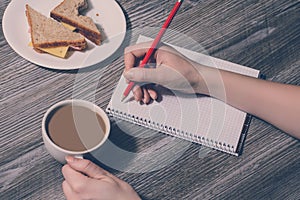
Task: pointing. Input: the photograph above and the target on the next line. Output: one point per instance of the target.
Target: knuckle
(148, 75)
(86, 165)
(144, 75)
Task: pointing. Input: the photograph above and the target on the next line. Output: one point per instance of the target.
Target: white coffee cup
(58, 152)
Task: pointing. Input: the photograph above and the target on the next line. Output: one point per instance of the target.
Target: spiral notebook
(199, 119)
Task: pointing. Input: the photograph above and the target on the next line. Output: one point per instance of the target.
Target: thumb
(147, 75)
(86, 167)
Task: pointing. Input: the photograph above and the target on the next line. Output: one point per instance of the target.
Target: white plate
(106, 14)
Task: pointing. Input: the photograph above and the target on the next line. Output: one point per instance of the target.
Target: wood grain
(262, 34)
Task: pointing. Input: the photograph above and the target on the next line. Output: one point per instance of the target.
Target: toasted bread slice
(47, 33)
(68, 12)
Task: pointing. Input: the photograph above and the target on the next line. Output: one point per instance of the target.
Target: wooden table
(261, 34)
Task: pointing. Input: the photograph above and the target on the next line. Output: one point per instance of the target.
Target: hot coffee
(75, 128)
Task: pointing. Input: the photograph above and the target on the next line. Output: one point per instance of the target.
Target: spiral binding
(172, 131)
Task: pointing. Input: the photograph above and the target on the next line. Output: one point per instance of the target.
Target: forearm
(278, 104)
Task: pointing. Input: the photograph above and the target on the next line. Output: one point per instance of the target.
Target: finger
(152, 93)
(69, 193)
(149, 65)
(146, 75)
(87, 167)
(139, 49)
(131, 53)
(137, 93)
(75, 179)
(146, 96)
(129, 61)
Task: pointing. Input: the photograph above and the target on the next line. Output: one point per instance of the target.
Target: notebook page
(195, 118)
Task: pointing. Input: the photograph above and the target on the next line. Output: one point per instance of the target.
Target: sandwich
(68, 12)
(48, 35)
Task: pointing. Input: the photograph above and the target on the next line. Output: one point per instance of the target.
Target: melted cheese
(72, 28)
(56, 51)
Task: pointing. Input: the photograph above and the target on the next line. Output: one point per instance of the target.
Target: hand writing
(172, 70)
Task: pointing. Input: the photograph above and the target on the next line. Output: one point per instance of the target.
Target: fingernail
(70, 159)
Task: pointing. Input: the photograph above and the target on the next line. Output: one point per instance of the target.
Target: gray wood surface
(261, 34)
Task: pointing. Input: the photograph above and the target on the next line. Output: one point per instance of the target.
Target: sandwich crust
(68, 12)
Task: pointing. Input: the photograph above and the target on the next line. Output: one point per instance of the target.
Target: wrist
(210, 82)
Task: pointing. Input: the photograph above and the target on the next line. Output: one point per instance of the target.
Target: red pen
(154, 45)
